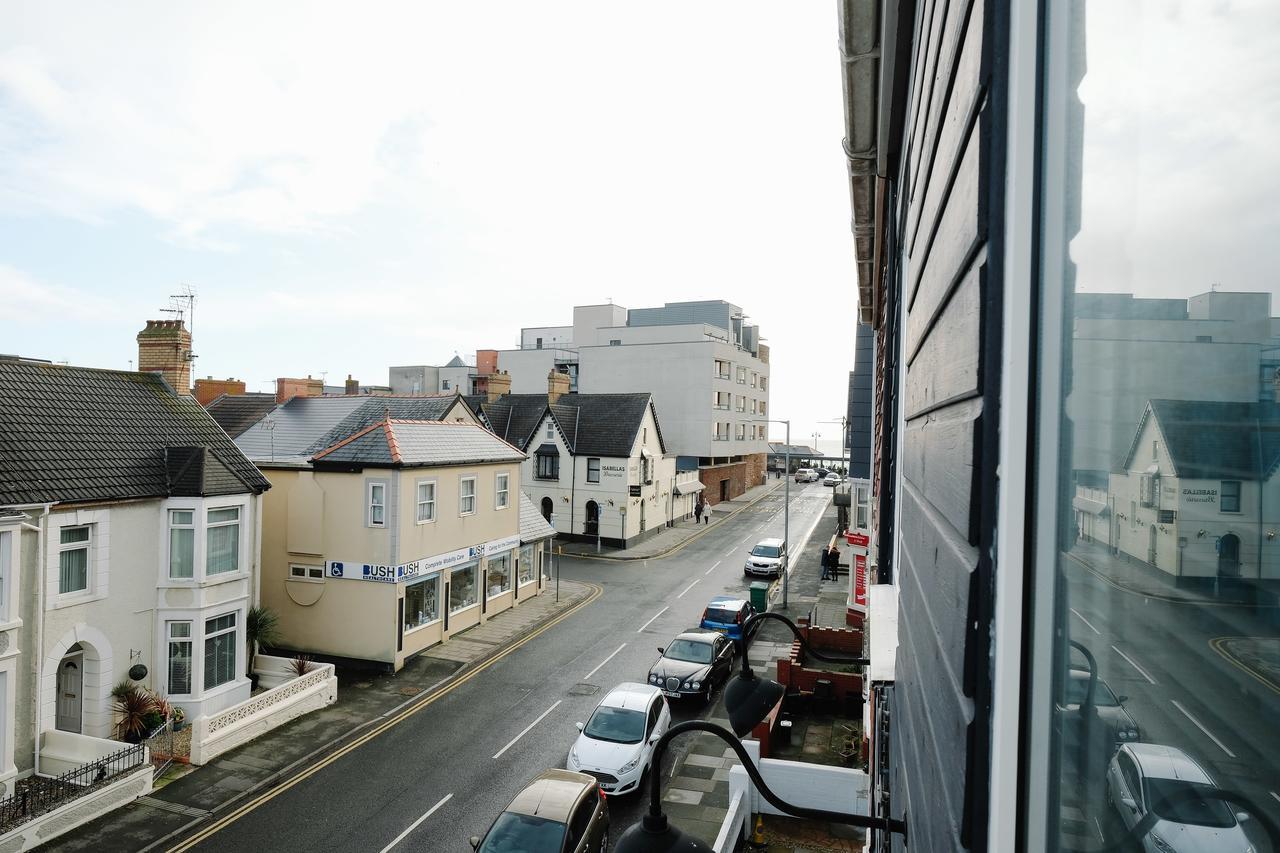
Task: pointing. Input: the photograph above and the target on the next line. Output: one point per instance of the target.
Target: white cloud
(28, 301)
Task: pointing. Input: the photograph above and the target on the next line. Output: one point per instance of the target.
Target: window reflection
(1167, 659)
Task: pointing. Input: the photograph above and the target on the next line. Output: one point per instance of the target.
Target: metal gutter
(860, 80)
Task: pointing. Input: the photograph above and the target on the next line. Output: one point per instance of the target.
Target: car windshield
(715, 614)
(618, 725)
(1183, 802)
(518, 833)
(1102, 695)
(689, 650)
(765, 551)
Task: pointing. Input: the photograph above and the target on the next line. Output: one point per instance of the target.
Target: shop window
(462, 588)
(498, 571)
(421, 602)
(528, 564)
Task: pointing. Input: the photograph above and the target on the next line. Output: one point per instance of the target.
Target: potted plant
(179, 718)
(135, 706)
(261, 628)
(301, 665)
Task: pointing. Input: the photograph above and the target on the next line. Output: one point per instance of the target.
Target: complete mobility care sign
(380, 573)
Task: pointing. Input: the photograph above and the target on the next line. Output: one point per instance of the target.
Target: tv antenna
(183, 306)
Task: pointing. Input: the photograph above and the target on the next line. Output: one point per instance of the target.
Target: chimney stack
(557, 386)
(499, 384)
(352, 386)
(164, 347)
(209, 389)
(287, 389)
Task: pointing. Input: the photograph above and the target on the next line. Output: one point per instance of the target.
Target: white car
(616, 743)
(806, 475)
(832, 479)
(1142, 777)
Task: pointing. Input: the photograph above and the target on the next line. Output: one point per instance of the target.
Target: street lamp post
(786, 502)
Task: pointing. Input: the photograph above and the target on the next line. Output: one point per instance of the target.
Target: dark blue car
(727, 615)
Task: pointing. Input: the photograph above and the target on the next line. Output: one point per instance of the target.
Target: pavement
(188, 795)
(1133, 575)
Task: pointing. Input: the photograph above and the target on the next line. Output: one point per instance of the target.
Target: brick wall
(164, 347)
(209, 389)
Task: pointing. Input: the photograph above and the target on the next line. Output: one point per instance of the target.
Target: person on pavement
(826, 564)
(706, 513)
(697, 512)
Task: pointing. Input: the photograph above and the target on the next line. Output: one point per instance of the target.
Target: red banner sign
(860, 539)
(860, 580)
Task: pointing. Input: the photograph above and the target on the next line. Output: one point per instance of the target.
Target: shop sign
(613, 471)
(633, 491)
(860, 580)
(1200, 496)
(379, 573)
(860, 539)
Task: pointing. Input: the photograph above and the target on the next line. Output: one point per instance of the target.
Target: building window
(764, 383)
(377, 505)
(615, 342)
(1230, 496)
(498, 570)
(741, 404)
(179, 636)
(722, 369)
(593, 469)
(306, 573)
(426, 502)
(741, 432)
(763, 406)
(422, 602)
(446, 385)
(755, 377)
(467, 495)
(742, 376)
(73, 559)
(222, 541)
(502, 491)
(538, 344)
(220, 650)
(528, 564)
(182, 543)
(551, 430)
(723, 399)
(721, 431)
(462, 588)
(548, 466)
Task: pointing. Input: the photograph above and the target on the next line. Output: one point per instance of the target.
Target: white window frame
(596, 460)
(370, 504)
(7, 562)
(462, 495)
(306, 572)
(240, 539)
(236, 645)
(194, 527)
(435, 578)
(419, 503)
(87, 545)
(169, 639)
(502, 490)
(511, 567)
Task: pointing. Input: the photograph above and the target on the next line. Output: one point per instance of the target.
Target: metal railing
(41, 794)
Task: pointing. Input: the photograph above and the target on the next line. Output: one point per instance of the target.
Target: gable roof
(70, 434)
(604, 424)
(1211, 440)
(514, 417)
(456, 361)
(394, 443)
(532, 525)
(304, 426)
(235, 413)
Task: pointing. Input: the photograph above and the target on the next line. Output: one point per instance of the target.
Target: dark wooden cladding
(944, 369)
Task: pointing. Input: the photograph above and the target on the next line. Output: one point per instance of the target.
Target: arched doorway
(70, 701)
(547, 506)
(592, 527)
(1229, 556)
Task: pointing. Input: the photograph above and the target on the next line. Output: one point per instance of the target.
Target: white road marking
(650, 622)
(732, 551)
(687, 588)
(527, 729)
(587, 677)
(1201, 727)
(415, 824)
(1086, 621)
(1133, 664)
(713, 568)
(1274, 796)
(1101, 837)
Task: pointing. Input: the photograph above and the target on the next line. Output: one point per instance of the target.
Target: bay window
(179, 638)
(182, 543)
(222, 541)
(220, 645)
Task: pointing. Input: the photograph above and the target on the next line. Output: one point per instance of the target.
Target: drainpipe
(42, 557)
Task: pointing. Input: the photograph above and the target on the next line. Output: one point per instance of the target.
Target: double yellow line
(222, 823)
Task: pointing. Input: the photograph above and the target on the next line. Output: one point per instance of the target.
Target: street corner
(1257, 656)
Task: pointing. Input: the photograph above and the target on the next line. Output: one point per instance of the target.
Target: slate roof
(780, 449)
(235, 413)
(604, 424)
(1212, 440)
(304, 426)
(71, 434)
(514, 417)
(532, 525)
(405, 443)
(456, 361)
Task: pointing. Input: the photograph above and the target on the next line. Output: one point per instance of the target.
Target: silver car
(768, 559)
(1149, 777)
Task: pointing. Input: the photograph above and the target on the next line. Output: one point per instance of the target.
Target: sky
(350, 190)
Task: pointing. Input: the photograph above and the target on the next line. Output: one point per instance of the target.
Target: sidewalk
(1136, 576)
(187, 797)
(668, 540)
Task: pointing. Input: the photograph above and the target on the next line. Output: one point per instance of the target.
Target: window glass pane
(220, 651)
(462, 588)
(422, 602)
(71, 535)
(73, 570)
(499, 574)
(1159, 427)
(468, 492)
(182, 552)
(426, 501)
(223, 549)
(503, 492)
(179, 658)
(528, 563)
(222, 516)
(181, 516)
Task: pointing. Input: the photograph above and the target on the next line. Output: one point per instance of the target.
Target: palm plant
(261, 628)
(134, 707)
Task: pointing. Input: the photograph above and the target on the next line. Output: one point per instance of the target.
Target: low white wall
(814, 786)
(61, 752)
(737, 823)
(78, 812)
(273, 671)
(213, 735)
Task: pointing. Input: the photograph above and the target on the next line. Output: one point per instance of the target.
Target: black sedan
(693, 664)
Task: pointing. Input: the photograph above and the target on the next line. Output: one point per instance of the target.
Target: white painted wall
(528, 369)
(552, 337)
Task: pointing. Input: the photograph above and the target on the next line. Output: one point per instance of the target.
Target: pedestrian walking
(834, 562)
(697, 511)
(825, 559)
(706, 513)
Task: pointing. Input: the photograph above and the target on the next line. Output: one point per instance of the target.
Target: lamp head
(655, 835)
(749, 699)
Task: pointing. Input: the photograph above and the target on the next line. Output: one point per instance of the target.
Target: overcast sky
(347, 190)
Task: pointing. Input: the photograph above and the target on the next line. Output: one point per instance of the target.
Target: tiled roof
(514, 417)
(397, 443)
(603, 424)
(532, 525)
(1211, 440)
(235, 413)
(71, 434)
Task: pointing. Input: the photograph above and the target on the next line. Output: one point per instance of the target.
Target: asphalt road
(1180, 690)
(443, 774)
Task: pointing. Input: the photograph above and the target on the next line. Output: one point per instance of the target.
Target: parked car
(806, 475)
(767, 559)
(727, 614)
(1143, 778)
(559, 811)
(832, 479)
(822, 472)
(692, 664)
(1116, 724)
(616, 742)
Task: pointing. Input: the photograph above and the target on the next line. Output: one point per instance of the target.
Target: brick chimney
(499, 384)
(287, 389)
(352, 386)
(557, 386)
(164, 347)
(210, 389)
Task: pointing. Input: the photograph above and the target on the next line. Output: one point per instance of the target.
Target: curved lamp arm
(1142, 827)
(656, 821)
(804, 644)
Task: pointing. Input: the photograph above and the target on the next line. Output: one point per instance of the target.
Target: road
(443, 774)
(1182, 692)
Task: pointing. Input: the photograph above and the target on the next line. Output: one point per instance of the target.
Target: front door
(724, 490)
(593, 519)
(1229, 556)
(70, 693)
